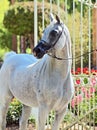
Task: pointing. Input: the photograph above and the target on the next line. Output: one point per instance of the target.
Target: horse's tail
(9, 54)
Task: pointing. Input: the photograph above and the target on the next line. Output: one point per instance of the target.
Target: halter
(47, 44)
(54, 56)
(52, 46)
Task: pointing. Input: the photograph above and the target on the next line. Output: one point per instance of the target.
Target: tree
(14, 37)
(5, 39)
(19, 20)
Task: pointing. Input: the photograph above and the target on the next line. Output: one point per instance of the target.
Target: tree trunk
(31, 40)
(14, 42)
(22, 44)
(12, 2)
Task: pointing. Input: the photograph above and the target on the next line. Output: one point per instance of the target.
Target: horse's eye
(54, 33)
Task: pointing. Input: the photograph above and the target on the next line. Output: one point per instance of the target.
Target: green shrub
(14, 112)
(19, 19)
(5, 39)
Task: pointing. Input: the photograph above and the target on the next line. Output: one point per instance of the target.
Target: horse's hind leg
(4, 104)
(26, 111)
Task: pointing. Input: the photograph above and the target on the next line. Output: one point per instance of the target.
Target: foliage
(5, 39)
(4, 4)
(20, 0)
(19, 19)
(31, 120)
(14, 112)
(85, 97)
(79, 34)
(5, 36)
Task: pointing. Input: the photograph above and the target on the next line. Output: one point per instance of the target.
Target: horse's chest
(50, 95)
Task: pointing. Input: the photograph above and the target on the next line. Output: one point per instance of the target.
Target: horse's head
(54, 38)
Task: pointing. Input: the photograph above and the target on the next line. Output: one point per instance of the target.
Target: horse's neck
(52, 66)
(61, 66)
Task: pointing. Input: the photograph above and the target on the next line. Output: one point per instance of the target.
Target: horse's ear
(52, 17)
(58, 19)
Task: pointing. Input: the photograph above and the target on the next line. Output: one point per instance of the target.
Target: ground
(16, 127)
(32, 127)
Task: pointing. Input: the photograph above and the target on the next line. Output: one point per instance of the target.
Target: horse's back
(19, 59)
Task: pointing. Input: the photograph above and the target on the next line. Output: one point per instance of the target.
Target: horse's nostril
(38, 50)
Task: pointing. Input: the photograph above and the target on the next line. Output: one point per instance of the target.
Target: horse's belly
(23, 91)
(26, 98)
(22, 85)
(32, 102)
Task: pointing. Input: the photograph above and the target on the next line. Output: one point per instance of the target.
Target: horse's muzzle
(38, 52)
(40, 49)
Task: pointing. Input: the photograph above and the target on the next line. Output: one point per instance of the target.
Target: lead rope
(87, 53)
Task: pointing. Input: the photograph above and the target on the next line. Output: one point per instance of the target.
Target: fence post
(35, 22)
(95, 35)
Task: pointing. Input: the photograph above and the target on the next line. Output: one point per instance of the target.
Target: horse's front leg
(59, 115)
(42, 115)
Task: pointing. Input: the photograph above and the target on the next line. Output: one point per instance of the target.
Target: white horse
(45, 83)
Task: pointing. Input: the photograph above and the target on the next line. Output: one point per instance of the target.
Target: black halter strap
(58, 35)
